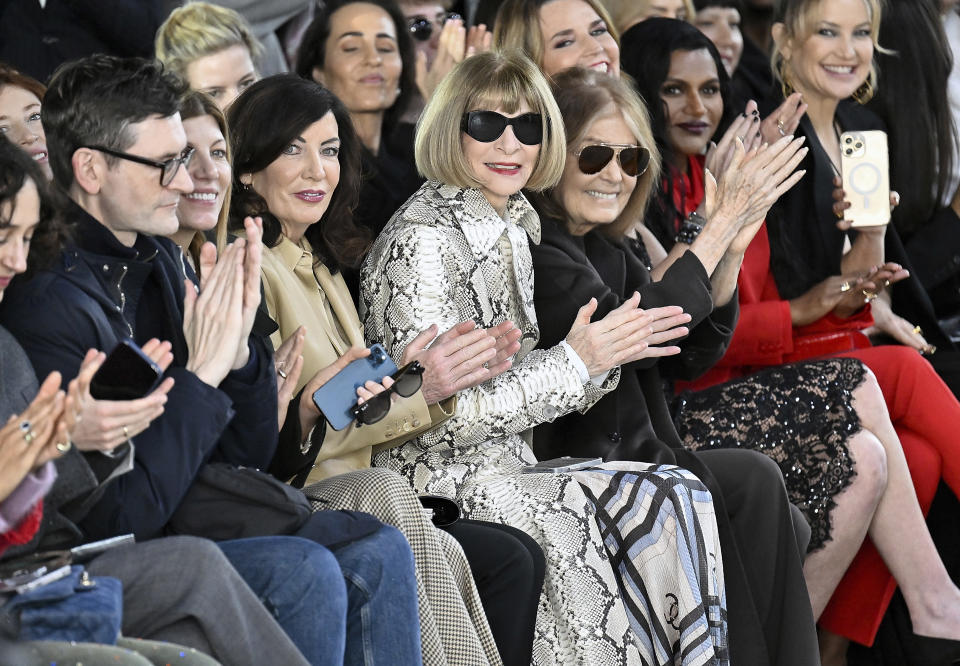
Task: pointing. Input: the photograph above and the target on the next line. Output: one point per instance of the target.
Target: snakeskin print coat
(469, 263)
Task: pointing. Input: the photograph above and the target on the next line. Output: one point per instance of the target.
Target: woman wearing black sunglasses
(459, 249)
(588, 250)
(302, 176)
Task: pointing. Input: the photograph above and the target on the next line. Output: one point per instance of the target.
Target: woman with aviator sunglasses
(459, 249)
(587, 251)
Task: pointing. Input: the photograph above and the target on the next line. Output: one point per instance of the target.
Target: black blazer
(568, 271)
(806, 246)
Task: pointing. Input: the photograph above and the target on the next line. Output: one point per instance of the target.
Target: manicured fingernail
(755, 112)
(756, 119)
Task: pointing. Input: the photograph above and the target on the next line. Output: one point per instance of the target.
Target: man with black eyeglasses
(118, 148)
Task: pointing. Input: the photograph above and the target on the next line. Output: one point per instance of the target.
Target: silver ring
(29, 436)
(126, 433)
(780, 127)
(25, 426)
(63, 447)
(845, 286)
(281, 373)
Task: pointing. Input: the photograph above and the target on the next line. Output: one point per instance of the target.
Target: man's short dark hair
(92, 101)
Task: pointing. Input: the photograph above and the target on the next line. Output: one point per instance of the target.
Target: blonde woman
(458, 250)
(212, 48)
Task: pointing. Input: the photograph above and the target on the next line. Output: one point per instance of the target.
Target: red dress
(922, 408)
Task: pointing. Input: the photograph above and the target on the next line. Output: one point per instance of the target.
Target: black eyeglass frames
(168, 168)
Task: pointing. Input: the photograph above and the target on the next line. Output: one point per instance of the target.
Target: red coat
(765, 334)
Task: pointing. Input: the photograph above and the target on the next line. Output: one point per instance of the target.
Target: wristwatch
(690, 228)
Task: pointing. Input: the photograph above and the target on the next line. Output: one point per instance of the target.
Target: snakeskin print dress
(634, 572)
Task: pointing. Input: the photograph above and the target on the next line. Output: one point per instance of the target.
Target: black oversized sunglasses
(634, 160)
(168, 168)
(487, 126)
(422, 28)
(406, 381)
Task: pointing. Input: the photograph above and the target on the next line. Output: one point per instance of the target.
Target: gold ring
(917, 330)
(886, 283)
(126, 433)
(845, 286)
(780, 127)
(29, 436)
(868, 295)
(63, 447)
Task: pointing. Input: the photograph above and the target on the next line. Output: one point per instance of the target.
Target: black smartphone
(337, 398)
(127, 374)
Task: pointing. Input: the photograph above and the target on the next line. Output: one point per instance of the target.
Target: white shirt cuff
(581, 366)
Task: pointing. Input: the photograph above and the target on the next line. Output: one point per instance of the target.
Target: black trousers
(508, 568)
(763, 552)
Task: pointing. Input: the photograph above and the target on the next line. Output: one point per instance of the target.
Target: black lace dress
(800, 415)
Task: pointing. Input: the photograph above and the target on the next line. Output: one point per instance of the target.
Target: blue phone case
(338, 397)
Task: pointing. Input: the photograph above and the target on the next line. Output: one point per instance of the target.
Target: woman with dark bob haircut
(301, 176)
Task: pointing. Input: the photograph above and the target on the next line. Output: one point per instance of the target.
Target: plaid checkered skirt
(453, 627)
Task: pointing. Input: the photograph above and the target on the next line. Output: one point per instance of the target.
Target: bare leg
(900, 533)
(850, 519)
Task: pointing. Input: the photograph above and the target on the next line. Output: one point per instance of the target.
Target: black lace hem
(800, 415)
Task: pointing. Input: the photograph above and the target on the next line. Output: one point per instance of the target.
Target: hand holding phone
(102, 425)
(865, 171)
(126, 374)
(337, 397)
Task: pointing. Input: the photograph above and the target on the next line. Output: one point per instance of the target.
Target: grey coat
(77, 485)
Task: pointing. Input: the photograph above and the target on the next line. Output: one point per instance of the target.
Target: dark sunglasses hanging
(406, 381)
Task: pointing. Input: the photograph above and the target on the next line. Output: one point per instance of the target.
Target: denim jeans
(301, 585)
(383, 622)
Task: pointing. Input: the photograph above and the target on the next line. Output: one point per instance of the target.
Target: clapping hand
(784, 120)
(459, 358)
(31, 438)
(455, 44)
(218, 320)
(625, 334)
(288, 363)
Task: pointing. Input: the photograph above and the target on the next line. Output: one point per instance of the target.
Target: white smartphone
(865, 170)
(560, 465)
